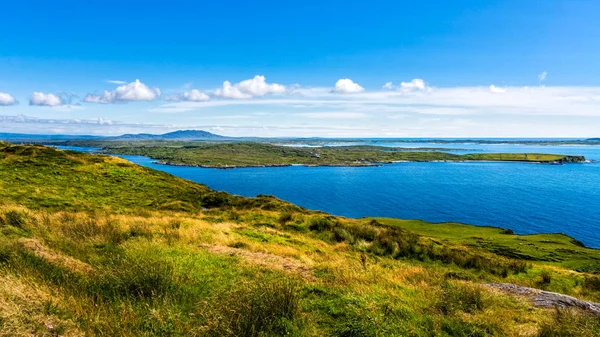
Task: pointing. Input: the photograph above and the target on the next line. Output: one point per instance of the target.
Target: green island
(252, 154)
(95, 245)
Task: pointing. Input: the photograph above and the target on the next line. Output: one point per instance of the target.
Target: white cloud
(134, 91)
(388, 86)
(255, 87)
(497, 90)
(347, 86)
(193, 95)
(558, 101)
(416, 84)
(542, 76)
(332, 115)
(7, 99)
(116, 82)
(42, 99)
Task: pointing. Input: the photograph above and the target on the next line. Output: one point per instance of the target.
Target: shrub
(233, 215)
(320, 223)
(592, 283)
(507, 231)
(134, 278)
(15, 219)
(400, 243)
(284, 217)
(546, 277)
(215, 199)
(139, 230)
(460, 297)
(458, 276)
(570, 323)
(238, 244)
(259, 309)
(6, 249)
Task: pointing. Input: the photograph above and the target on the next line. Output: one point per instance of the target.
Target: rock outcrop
(547, 299)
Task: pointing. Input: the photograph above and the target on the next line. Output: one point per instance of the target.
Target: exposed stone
(547, 299)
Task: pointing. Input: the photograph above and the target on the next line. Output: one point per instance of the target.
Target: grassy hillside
(262, 154)
(94, 245)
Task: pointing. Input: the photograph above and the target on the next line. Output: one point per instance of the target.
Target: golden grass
(29, 309)
(378, 286)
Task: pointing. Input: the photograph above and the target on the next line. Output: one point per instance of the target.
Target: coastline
(563, 161)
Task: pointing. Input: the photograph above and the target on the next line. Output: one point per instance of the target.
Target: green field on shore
(248, 154)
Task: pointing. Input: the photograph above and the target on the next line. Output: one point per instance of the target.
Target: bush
(570, 323)
(546, 277)
(134, 278)
(238, 244)
(460, 297)
(401, 243)
(263, 308)
(15, 219)
(233, 215)
(6, 249)
(592, 283)
(320, 223)
(284, 218)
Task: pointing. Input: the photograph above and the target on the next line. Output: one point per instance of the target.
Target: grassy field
(245, 154)
(94, 245)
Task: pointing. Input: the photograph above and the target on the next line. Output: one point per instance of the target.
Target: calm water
(528, 198)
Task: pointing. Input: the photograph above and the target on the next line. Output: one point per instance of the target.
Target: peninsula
(249, 154)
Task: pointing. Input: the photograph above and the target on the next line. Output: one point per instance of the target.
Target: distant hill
(188, 135)
(175, 135)
(20, 137)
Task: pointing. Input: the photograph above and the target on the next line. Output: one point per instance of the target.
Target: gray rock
(547, 299)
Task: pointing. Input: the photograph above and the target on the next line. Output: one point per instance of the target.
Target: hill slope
(189, 135)
(94, 245)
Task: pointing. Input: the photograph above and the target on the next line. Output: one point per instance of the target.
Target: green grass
(246, 154)
(43, 177)
(553, 249)
(94, 245)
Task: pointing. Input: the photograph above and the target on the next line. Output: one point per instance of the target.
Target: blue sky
(311, 68)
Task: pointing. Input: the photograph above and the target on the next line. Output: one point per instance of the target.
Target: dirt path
(41, 251)
(547, 299)
(266, 260)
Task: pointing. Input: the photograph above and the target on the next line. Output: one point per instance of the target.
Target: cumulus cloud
(332, 115)
(497, 90)
(42, 99)
(388, 86)
(134, 91)
(542, 76)
(193, 95)
(415, 84)
(347, 86)
(7, 99)
(254, 87)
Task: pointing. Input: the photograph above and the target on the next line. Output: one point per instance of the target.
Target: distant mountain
(593, 139)
(175, 135)
(185, 135)
(24, 137)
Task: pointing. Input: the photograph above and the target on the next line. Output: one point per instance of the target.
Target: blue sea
(527, 198)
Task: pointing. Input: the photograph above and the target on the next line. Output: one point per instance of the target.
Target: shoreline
(369, 164)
